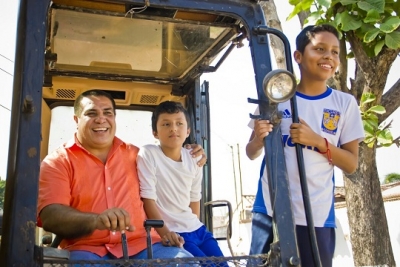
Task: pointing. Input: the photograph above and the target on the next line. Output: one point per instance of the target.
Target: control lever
(124, 246)
(147, 225)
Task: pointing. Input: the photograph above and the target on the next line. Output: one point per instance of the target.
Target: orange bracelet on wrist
(327, 152)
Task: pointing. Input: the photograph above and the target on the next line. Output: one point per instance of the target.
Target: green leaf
(296, 10)
(329, 14)
(371, 35)
(372, 16)
(378, 47)
(294, 2)
(377, 109)
(388, 134)
(370, 141)
(348, 2)
(370, 145)
(373, 116)
(338, 19)
(392, 40)
(370, 126)
(324, 3)
(390, 24)
(385, 137)
(378, 5)
(301, 6)
(387, 145)
(369, 137)
(349, 22)
(368, 48)
(314, 16)
(367, 98)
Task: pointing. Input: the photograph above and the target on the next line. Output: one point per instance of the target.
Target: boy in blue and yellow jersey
(329, 131)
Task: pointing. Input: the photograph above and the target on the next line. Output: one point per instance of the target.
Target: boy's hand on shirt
(262, 128)
(301, 133)
(173, 239)
(115, 219)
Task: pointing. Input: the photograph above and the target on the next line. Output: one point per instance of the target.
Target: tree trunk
(367, 218)
(369, 232)
(303, 15)
(272, 19)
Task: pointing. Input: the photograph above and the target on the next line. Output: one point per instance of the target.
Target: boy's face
(320, 58)
(172, 129)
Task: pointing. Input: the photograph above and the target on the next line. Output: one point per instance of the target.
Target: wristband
(327, 152)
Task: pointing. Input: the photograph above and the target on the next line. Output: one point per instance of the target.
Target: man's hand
(173, 239)
(115, 219)
(197, 151)
(70, 223)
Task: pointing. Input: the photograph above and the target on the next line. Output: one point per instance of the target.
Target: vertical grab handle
(147, 225)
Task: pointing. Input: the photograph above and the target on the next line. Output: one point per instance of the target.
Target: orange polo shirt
(73, 177)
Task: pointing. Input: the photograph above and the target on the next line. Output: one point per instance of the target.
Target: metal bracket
(28, 107)
(261, 33)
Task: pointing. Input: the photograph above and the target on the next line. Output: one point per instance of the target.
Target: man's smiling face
(96, 123)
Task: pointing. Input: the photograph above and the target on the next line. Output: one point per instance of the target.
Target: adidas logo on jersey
(286, 114)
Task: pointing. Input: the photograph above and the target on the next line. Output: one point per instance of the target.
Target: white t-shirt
(173, 185)
(335, 116)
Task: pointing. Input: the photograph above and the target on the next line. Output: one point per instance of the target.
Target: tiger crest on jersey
(330, 121)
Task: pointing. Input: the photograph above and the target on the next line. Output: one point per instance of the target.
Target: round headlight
(279, 85)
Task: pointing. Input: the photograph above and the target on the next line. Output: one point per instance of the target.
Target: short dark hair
(169, 107)
(305, 36)
(94, 92)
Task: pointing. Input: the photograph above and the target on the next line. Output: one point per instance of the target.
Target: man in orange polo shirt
(89, 189)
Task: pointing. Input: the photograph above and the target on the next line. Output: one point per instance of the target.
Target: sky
(8, 17)
(229, 89)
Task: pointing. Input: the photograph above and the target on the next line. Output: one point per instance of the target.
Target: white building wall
(343, 256)
(343, 253)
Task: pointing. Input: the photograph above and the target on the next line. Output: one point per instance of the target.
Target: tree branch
(391, 101)
(303, 15)
(364, 62)
(341, 75)
(358, 85)
(383, 64)
(396, 141)
(375, 69)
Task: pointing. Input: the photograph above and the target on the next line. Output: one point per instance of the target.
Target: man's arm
(67, 222)
(70, 223)
(167, 237)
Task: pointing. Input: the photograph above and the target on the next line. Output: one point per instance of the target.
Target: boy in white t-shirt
(170, 183)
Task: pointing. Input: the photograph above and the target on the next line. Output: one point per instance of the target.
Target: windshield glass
(123, 45)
